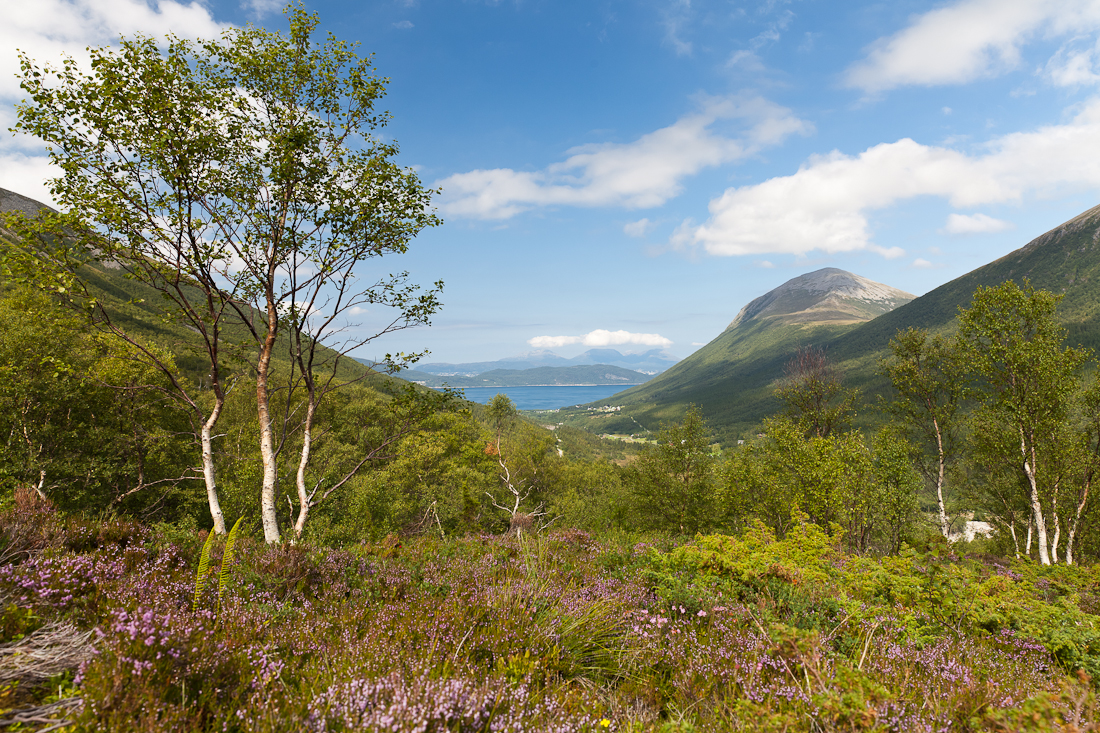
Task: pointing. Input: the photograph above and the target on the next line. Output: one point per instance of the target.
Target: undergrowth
(559, 632)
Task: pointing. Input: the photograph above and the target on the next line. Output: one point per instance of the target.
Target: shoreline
(510, 386)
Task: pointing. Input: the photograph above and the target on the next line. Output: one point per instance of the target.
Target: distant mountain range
(650, 362)
(732, 379)
(586, 374)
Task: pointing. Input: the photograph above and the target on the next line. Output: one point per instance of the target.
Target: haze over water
(544, 398)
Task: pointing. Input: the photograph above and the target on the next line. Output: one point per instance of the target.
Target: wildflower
(605, 723)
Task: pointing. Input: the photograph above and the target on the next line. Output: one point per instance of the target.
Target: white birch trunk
(1057, 530)
(303, 463)
(1015, 540)
(944, 528)
(1036, 505)
(208, 474)
(1076, 521)
(267, 434)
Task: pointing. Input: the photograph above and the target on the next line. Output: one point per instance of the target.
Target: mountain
(732, 378)
(650, 362)
(1065, 260)
(597, 374)
(11, 201)
(826, 296)
(131, 306)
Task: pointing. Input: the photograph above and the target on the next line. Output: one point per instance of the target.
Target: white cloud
(403, 25)
(600, 337)
(745, 60)
(921, 264)
(48, 29)
(974, 224)
(26, 174)
(637, 228)
(1074, 65)
(639, 174)
(263, 7)
(967, 40)
(765, 264)
(824, 205)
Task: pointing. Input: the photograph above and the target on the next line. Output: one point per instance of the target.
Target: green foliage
(203, 570)
(673, 480)
(1028, 385)
(813, 394)
(227, 560)
(868, 490)
(85, 419)
(929, 375)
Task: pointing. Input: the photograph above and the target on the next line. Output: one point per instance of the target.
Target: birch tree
(929, 376)
(1028, 380)
(140, 143)
(261, 153)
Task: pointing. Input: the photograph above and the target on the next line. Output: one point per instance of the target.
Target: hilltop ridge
(733, 377)
(828, 295)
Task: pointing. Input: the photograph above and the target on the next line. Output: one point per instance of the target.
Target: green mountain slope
(732, 377)
(135, 307)
(1065, 260)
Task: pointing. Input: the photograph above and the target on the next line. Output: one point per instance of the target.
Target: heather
(558, 631)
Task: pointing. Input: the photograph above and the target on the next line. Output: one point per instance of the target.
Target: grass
(561, 632)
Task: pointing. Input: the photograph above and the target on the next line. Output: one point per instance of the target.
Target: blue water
(543, 398)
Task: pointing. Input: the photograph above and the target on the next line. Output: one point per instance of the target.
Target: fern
(204, 568)
(227, 559)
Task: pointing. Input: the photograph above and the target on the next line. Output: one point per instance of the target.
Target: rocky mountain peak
(829, 295)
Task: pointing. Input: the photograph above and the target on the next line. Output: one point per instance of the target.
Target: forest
(213, 518)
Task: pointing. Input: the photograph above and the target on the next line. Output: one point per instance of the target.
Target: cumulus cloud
(46, 30)
(600, 337)
(824, 205)
(974, 224)
(921, 264)
(644, 173)
(403, 25)
(967, 40)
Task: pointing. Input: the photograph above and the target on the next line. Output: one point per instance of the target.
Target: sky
(630, 173)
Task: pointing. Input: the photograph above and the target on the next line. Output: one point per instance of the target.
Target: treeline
(93, 427)
(998, 422)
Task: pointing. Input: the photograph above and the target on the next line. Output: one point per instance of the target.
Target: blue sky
(629, 173)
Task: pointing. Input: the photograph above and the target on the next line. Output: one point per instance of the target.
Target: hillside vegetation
(733, 376)
(206, 525)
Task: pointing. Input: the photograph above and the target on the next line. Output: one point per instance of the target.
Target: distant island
(653, 361)
(570, 376)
